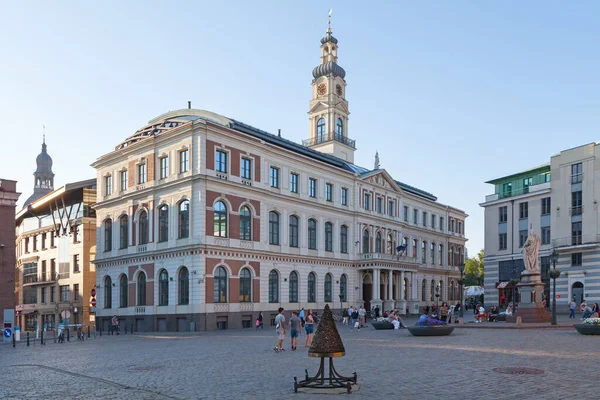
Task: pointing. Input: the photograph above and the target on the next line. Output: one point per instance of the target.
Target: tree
(474, 270)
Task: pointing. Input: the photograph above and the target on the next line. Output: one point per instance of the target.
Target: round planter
(381, 325)
(587, 329)
(442, 330)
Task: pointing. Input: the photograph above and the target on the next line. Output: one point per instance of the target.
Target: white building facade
(557, 200)
(204, 221)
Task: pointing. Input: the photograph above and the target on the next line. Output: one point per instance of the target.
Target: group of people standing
(355, 317)
(586, 311)
(299, 321)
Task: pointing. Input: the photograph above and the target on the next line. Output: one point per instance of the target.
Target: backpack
(355, 315)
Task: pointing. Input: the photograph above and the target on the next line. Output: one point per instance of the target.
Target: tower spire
(329, 21)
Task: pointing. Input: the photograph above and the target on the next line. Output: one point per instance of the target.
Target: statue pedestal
(531, 308)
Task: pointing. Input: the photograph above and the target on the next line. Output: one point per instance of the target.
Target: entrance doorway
(577, 292)
(367, 292)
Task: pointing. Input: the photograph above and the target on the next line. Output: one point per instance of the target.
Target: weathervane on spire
(376, 160)
(329, 21)
(44, 133)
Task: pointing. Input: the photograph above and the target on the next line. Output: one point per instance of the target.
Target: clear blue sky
(451, 93)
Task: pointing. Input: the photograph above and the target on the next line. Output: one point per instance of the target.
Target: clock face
(338, 90)
(321, 89)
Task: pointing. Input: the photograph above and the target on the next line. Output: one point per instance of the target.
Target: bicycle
(80, 335)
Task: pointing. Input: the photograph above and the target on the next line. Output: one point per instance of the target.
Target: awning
(502, 285)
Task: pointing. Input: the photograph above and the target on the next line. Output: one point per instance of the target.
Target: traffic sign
(93, 292)
(7, 333)
(94, 302)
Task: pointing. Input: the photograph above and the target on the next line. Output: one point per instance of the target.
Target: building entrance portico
(386, 288)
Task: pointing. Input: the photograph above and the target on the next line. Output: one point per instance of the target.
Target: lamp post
(554, 274)
(341, 305)
(461, 268)
(437, 301)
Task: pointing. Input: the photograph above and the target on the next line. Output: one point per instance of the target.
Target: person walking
(345, 316)
(444, 311)
(280, 330)
(572, 307)
(308, 328)
(355, 323)
(361, 316)
(377, 311)
(301, 315)
(259, 321)
(295, 326)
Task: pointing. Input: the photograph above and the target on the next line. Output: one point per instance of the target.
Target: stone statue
(531, 250)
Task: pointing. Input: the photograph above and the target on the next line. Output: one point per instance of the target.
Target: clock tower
(328, 109)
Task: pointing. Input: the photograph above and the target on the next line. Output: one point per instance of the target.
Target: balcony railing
(387, 257)
(576, 240)
(29, 280)
(328, 138)
(577, 210)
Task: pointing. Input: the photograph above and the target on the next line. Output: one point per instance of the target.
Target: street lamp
(437, 301)
(555, 273)
(461, 268)
(341, 305)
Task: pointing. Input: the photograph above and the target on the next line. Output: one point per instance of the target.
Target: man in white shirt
(280, 329)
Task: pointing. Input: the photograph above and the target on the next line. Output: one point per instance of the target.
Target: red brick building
(8, 203)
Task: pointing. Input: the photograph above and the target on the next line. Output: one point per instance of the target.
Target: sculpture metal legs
(334, 380)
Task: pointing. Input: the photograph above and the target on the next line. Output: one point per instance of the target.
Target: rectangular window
(424, 218)
(274, 177)
(367, 201)
(294, 183)
(460, 227)
(379, 205)
(75, 232)
(124, 178)
(441, 224)
(52, 294)
(502, 241)
(576, 203)
(34, 240)
(65, 294)
(76, 263)
(76, 292)
(452, 225)
(405, 213)
(522, 237)
(142, 174)
(523, 210)
(44, 277)
(246, 169)
(328, 192)
(44, 295)
(576, 258)
(432, 221)
(502, 214)
(415, 216)
(164, 167)
(43, 241)
(344, 196)
(576, 228)
(547, 177)
(546, 206)
(545, 235)
(390, 208)
(221, 162)
(183, 161)
(576, 173)
(53, 269)
(526, 183)
(312, 187)
(507, 189)
(108, 181)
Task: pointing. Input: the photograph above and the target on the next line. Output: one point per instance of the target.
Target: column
(390, 285)
(376, 295)
(402, 286)
(360, 285)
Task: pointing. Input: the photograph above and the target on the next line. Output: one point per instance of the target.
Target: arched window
(245, 224)
(312, 234)
(451, 260)
(460, 256)
(245, 286)
(273, 287)
(432, 251)
(424, 252)
(123, 291)
(328, 236)
(441, 256)
(293, 287)
(107, 292)
(273, 228)
(184, 219)
(451, 294)
(143, 228)
(163, 223)
(441, 290)
(423, 290)
(432, 291)
(366, 242)
(108, 235)
(414, 249)
(344, 239)
(312, 288)
(378, 243)
(343, 285)
(390, 244)
(328, 288)
(339, 128)
(123, 231)
(220, 222)
(183, 297)
(294, 231)
(141, 289)
(321, 129)
(220, 289)
(163, 288)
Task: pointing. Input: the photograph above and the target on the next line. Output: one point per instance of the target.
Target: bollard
(14, 341)
(519, 322)
(42, 338)
(68, 334)
(100, 331)
(27, 338)
(88, 328)
(132, 329)
(125, 328)
(54, 334)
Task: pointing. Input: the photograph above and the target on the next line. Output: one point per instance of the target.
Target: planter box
(442, 330)
(587, 329)
(382, 325)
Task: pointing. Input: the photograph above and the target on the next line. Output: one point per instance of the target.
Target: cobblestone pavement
(242, 364)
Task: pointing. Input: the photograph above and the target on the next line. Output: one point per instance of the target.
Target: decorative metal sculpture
(326, 344)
